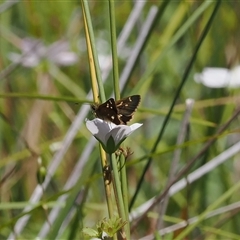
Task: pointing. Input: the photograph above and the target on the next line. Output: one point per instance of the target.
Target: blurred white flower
(219, 77)
(59, 53)
(109, 134)
(33, 52)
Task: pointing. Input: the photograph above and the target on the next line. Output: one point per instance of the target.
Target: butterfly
(118, 112)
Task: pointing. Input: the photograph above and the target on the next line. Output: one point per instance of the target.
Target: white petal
(104, 127)
(213, 77)
(30, 60)
(91, 126)
(58, 46)
(33, 47)
(60, 54)
(119, 133)
(64, 58)
(99, 129)
(135, 126)
(234, 81)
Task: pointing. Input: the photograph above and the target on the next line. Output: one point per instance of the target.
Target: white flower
(109, 134)
(33, 52)
(219, 77)
(60, 54)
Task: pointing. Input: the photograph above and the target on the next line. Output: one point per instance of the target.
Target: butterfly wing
(107, 111)
(126, 107)
(119, 112)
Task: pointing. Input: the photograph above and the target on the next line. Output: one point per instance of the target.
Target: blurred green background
(44, 55)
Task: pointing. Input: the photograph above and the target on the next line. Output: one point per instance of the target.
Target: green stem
(44, 97)
(106, 182)
(123, 175)
(114, 49)
(118, 193)
(94, 51)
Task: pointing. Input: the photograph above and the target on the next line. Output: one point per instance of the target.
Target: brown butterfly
(118, 112)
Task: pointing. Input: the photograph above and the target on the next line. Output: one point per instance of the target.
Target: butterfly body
(118, 112)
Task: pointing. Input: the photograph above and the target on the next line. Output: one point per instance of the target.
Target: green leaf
(90, 232)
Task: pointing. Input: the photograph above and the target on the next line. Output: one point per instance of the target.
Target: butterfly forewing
(107, 111)
(119, 112)
(128, 105)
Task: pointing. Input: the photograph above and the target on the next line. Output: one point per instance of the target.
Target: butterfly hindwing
(126, 107)
(124, 119)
